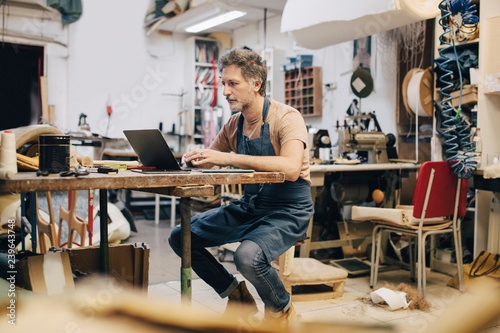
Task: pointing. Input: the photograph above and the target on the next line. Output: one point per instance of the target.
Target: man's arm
(289, 161)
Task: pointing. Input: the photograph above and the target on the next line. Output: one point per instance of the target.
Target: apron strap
(241, 137)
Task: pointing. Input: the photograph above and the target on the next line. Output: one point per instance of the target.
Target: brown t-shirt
(285, 124)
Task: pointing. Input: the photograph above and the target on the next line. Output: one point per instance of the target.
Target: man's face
(238, 92)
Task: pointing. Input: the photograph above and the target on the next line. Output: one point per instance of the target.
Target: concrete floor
(352, 307)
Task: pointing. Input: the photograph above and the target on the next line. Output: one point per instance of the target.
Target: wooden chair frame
(45, 227)
(75, 222)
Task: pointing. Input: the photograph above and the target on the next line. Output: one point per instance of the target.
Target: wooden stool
(312, 272)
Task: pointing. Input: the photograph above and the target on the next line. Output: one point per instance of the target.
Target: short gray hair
(252, 66)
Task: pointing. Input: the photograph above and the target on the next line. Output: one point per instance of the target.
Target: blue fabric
(252, 264)
(267, 220)
(71, 10)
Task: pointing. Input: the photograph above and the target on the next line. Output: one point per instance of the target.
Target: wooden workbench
(182, 184)
(318, 179)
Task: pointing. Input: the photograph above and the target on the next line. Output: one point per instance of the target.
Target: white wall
(106, 54)
(111, 57)
(336, 62)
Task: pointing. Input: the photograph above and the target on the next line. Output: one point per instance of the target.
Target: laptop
(153, 151)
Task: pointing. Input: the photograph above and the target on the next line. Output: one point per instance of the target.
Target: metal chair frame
(420, 234)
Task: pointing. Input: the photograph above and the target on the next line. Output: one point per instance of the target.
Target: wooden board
(44, 97)
(156, 183)
(492, 46)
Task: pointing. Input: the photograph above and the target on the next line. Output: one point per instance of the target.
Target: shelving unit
(488, 111)
(274, 59)
(442, 244)
(303, 90)
(202, 91)
(469, 90)
(488, 114)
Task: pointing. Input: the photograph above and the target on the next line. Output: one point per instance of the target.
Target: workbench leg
(186, 251)
(33, 221)
(157, 209)
(23, 218)
(104, 246)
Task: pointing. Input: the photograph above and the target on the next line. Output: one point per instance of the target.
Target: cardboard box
(469, 95)
(48, 273)
(128, 263)
(465, 91)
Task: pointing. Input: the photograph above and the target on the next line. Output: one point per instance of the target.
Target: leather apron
(274, 216)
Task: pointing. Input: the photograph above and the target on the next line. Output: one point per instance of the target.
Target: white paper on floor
(395, 299)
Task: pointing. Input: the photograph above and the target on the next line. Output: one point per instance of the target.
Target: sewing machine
(375, 143)
(321, 145)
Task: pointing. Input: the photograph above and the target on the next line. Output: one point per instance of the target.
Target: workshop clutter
(469, 96)
(53, 153)
(58, 272)
(302, 60)
(486, 267)
(27, 144)
(128, 263)
(119, 227)
(28, 148)
(9, 210)
(49, 273)
(352, 142)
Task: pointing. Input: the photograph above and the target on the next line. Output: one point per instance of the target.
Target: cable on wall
(458, 14)
(265, 28)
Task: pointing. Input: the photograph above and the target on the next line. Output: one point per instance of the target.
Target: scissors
(78, 172)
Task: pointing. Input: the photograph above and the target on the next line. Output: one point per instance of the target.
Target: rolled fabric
(6, 173)
(86, 161)
(8, 162)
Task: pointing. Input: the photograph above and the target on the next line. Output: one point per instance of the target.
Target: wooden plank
(52, 114)
(193, 191)
(44, 97)
(492, 46)
(183, 191)
(28, 181)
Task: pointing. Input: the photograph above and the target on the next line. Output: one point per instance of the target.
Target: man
(270, 218)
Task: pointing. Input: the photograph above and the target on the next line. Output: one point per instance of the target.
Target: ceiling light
(215, 21)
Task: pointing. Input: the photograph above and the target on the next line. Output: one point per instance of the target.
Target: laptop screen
(152, 149)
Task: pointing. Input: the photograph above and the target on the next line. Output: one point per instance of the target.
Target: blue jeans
(250, 261)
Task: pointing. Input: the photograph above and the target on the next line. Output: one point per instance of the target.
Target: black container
(53, 152)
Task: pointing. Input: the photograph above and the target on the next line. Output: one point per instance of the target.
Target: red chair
(439, 193)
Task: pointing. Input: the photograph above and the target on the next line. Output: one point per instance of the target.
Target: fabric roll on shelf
(417, 92)
(328, 23)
